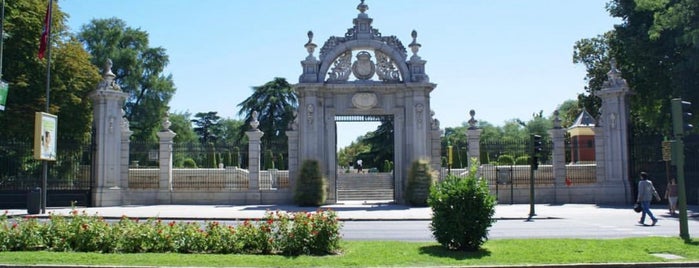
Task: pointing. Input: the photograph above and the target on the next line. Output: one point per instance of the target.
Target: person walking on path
(359, 166)
(671, 195)
(646, 192)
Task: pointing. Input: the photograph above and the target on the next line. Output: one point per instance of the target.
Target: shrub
(462, 211)
(235, 158)
(506, 159)
(280, 161)
(522, 160)
(387, 166)
(420, 179)
(269, 162)
(311, 186)
(189, 163)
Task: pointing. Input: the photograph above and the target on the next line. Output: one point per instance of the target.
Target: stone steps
(365, 186)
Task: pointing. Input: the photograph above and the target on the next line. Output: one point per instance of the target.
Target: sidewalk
(347, 211)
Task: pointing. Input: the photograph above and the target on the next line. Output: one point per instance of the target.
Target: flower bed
(300, 233)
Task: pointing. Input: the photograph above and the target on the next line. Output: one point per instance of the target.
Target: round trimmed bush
(506, 159)
(462, 211)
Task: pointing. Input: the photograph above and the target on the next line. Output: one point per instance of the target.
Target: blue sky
(505, 59)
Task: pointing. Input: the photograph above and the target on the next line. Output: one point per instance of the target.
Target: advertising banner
(4, 87)
(45, 128)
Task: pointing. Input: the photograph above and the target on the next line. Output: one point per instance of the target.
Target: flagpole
(2, 35)
(44, 181)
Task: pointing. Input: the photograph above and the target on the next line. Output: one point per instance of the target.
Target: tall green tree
(182, 125)
(72, 75)
(138, 69)
(229, 130)
(275, 102)
(655, 47)
(207, 126)
(381, 145)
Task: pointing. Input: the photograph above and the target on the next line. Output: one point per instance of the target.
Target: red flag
(47, 31)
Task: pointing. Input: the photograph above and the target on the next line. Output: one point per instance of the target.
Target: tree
(72, 75)
(275, 102)
(229, 130)
(348, 155)
(207, 126)
(655, 47)
(182, 126)
(138, 69)
(380, 143)
(568, 111)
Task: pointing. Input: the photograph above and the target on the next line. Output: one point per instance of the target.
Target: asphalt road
(592, 228)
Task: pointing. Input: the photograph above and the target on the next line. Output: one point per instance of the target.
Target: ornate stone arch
(396, 57)
(326, 93)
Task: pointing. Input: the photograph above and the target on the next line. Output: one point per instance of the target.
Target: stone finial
(614, 79)
(472, 122)
(108, 68)
(362, 7)
(310, 46)
(556, 120)
(414, 46)
(253, 121)
(166, 122)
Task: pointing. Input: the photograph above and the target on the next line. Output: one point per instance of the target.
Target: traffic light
(537, 147)
(681, 116)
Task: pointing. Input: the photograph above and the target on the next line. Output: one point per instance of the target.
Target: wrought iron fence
(20, 171)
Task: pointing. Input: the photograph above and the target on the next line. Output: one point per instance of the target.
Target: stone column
(108, 100)
(254, 136)
(473, 136)
(165, 163)
(559, 158)
(293, 157)
(436, 160)
(125, 147)
(613, 187)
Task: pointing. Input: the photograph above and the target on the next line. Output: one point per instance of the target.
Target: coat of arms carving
(363, 68)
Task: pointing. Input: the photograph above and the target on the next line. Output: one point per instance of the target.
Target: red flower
(270, 221)
(172, 223)
(84, 226)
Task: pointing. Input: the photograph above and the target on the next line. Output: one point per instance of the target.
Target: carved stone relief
(341, 68)
(387, 70)
(364, 100)
(419, 108)
(363, 68)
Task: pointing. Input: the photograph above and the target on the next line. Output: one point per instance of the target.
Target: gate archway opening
(374, 181)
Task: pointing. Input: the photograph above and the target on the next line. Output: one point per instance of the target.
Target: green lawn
(388, 253)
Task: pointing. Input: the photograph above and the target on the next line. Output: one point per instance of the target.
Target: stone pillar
(559, 158)
(473, 136)
(165, 163)
(108, 100)
(125, 147)
(254, 136)
(293, 158)
(436, 160)
(613, 187)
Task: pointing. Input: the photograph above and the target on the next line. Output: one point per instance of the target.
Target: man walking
(646, 192)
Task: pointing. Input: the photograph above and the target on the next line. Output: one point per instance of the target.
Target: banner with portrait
(45, 128)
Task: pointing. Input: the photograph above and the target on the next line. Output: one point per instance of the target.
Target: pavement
(347, 211)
